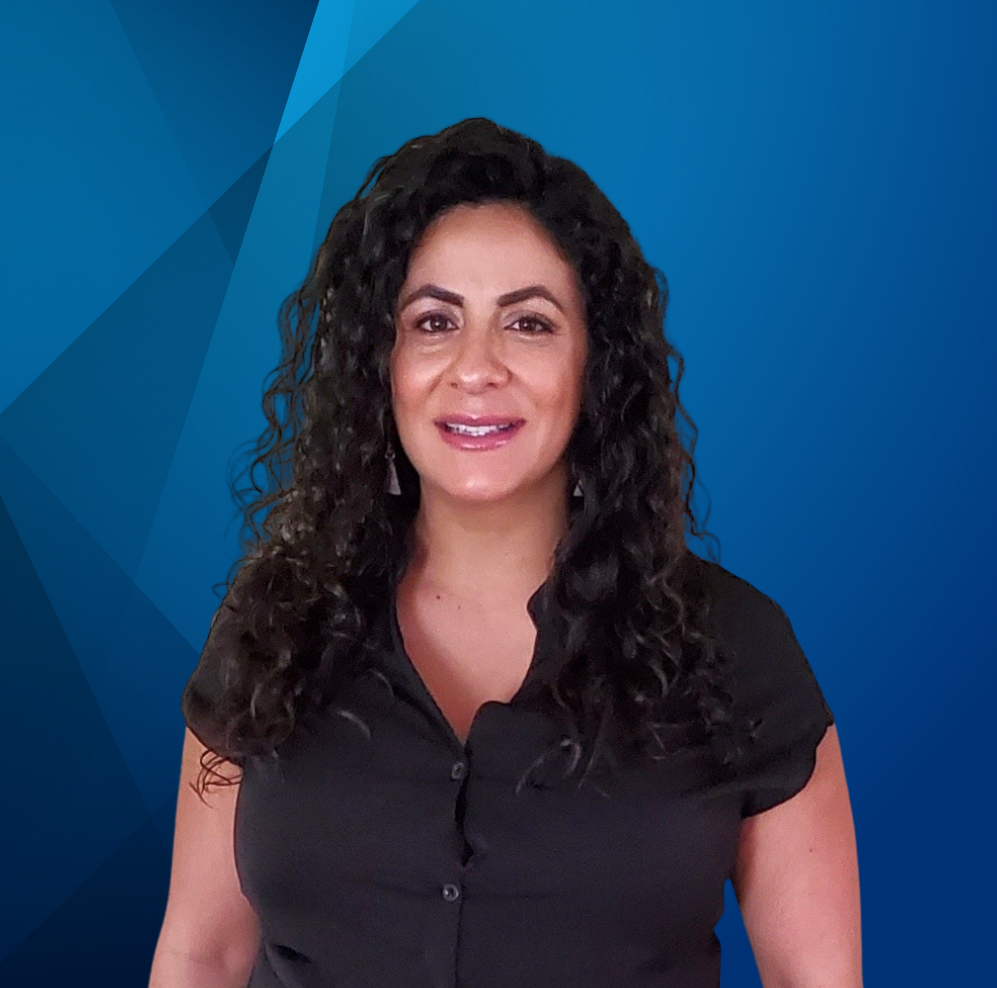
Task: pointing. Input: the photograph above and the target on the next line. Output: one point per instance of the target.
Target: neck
(498, 548)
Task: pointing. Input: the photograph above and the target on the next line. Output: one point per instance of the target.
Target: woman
(471, 712)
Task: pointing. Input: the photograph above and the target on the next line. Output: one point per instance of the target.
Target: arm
(797, 883)
(210, 933)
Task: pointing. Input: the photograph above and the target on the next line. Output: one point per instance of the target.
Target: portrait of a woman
(472, 712)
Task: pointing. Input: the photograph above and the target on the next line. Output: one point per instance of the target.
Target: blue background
(817, 182)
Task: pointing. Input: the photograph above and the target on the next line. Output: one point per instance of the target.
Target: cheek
(412, 391)
(571, 383)
(403, 378)
(561, 400)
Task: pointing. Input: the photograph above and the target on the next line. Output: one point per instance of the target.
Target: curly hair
(323, 541)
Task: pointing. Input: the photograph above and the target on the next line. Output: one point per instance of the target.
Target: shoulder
(755, 630)
(204, 698)
(738, 607)
(771, 679)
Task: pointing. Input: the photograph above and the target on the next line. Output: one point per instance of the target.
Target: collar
(394, 660)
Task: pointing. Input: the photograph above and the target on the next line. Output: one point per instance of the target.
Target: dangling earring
(577, 492)
(392, 485)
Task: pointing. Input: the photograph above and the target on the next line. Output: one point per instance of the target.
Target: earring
(577, 492)
(392, 486)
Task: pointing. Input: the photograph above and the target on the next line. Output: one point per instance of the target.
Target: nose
(479, 359)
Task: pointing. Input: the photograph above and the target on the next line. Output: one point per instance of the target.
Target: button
(457, 770)
(450, 892)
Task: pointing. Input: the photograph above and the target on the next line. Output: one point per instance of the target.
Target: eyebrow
(510, 298)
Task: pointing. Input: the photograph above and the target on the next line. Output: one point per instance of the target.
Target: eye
(538, 325)
(433, 317)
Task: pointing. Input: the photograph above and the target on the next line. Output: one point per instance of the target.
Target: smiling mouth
(459, 429)
(479, 435)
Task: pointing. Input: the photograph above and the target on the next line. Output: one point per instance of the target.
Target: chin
(482, 494)
(479, 490)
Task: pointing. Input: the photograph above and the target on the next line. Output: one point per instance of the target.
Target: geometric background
(815, 180)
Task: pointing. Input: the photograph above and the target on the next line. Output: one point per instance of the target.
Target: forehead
(488, 242)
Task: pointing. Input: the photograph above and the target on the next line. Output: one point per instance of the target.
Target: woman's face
(490, 324)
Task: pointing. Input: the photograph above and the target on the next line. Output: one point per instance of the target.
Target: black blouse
(378, 851)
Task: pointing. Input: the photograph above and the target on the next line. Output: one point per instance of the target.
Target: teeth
(476, 430)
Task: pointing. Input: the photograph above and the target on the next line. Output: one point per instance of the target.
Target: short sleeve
(773, 684)
(203, 700)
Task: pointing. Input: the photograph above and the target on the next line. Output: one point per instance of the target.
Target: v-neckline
(537, 607)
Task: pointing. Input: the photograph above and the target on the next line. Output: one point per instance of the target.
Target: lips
(478, 432)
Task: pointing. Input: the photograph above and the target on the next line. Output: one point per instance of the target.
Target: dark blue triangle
(105, 932)
(232, 210)
(221, 73)
(68, 798)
